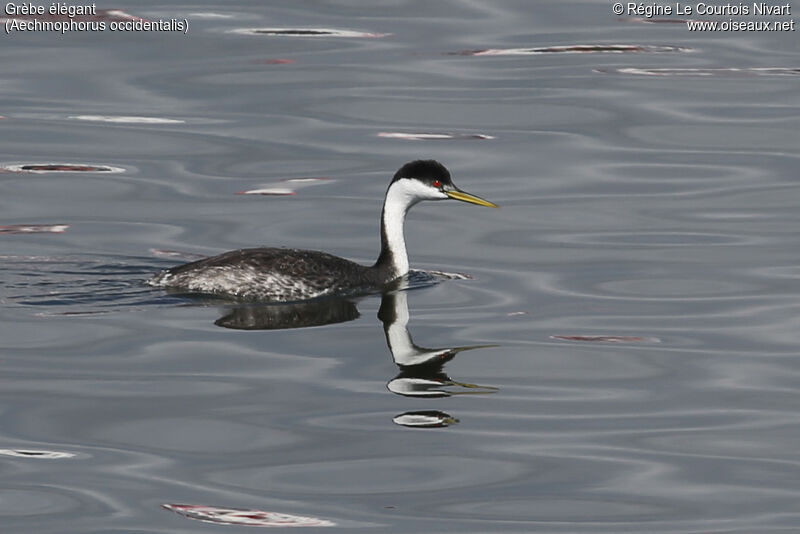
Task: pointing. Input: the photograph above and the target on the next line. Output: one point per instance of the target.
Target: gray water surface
(632, 311)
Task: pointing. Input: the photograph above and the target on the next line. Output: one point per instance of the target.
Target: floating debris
(99, 15)
(120, 119)
(274, 191)
(425, 419)
(576, 49)
(117, 14)
(516, 313)
(38, 455)
(307, 32)
(209, 15)
(609, 339)
(34, 229)
(40, 168)
(731, 71)
(275, 61)
(243, 516)
(281, 190)
(644, 20)
(431, 136)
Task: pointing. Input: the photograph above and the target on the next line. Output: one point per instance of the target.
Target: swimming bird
(284, 274)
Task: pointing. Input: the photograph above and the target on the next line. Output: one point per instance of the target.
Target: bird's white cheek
(435, 195)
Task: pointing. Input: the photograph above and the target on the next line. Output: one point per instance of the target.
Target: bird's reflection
(289, 315)
(421, 369)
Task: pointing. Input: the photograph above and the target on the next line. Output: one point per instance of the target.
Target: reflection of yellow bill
(472, 199)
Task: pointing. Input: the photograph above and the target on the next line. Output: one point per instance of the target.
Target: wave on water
(88, 285)
(80, 285)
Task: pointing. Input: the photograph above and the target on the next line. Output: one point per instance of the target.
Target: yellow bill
(457, 194)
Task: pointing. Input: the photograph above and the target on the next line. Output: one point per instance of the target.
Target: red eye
(437, 183)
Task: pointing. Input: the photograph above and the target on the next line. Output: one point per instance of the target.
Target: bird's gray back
(269, 274)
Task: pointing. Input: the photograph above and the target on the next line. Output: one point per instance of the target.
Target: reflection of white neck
(397, 335)
(401, 345)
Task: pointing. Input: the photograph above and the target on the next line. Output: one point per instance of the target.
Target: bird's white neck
(400, 196)
(393, 238)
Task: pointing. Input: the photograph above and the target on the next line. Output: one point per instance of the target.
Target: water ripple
(370, 476)
(703, 72)
(647, 194)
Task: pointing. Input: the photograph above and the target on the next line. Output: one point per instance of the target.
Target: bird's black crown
(425, 170)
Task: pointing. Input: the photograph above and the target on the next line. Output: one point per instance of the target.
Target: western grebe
(283, 275)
